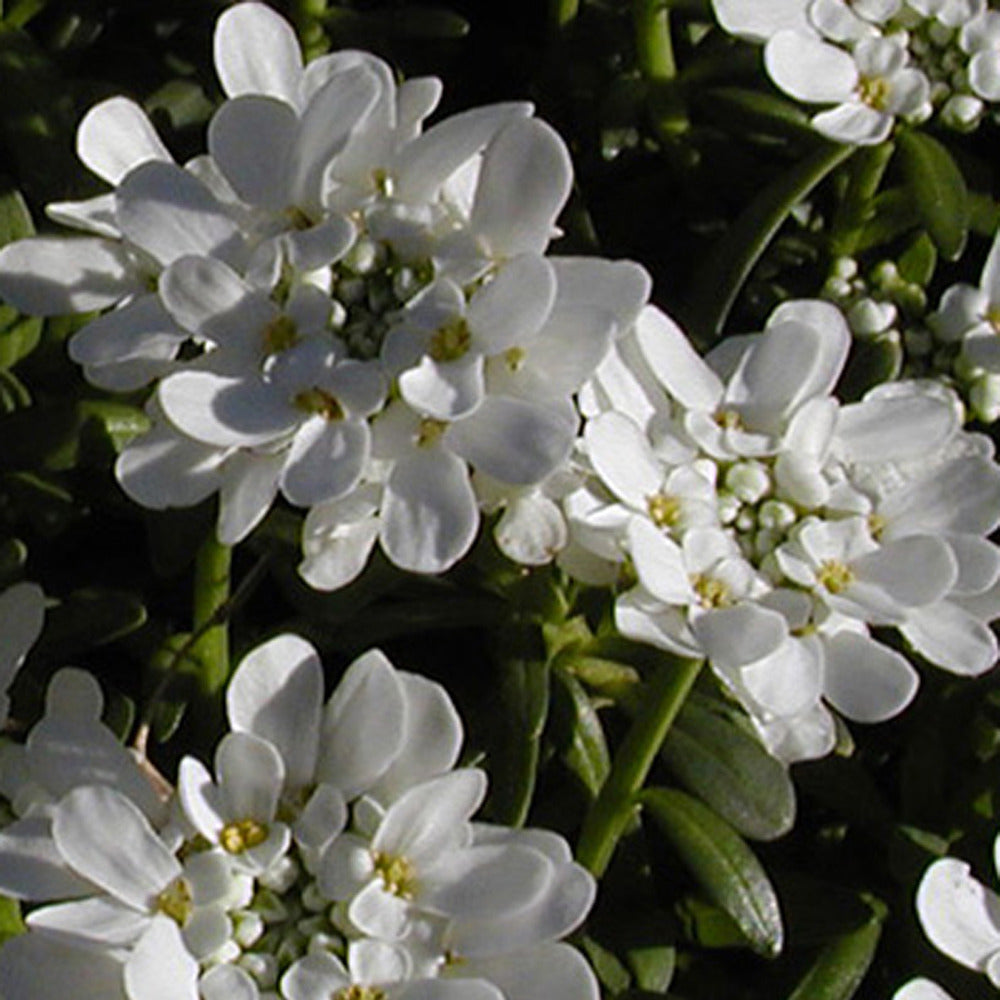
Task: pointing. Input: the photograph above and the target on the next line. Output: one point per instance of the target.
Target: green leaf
(938, 190)
(524, 706)
(984, 214)
(842, 964)
(746, 111)
(15, 219)
(729, 769)
(725, 270)
(653, 966)
(722, 864)
(578, 732)
(11, 923)
(918, 261)
(610, 971)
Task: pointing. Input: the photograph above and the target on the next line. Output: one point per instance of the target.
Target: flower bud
(962, 112)
(984, 398)
(776, 515)
(868, 317)
(749, 481)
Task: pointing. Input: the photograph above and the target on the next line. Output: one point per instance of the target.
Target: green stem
(654, 49)
(614, 807)
(212, 567)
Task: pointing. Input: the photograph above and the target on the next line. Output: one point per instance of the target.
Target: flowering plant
(498, 508)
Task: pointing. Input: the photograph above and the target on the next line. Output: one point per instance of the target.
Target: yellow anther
(396, 873)
(280, 334)
(992, 316)
(382, 182)
(241, 835)
(175, 902)
(874, 91)
(297, 218)
(451, 342)
(664, 509)
(319, 401)
(835, 576)
(514, 358)
(729, 420)
(712, 592)
(876, 525)
(430, 431)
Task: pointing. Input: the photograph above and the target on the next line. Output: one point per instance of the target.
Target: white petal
(531, 530)
(168, 213)
(141, 328)
(226, 412)
(620, 287)
(523, 184)
(675, 362)
(363, 725)
(951, 638)
(99, 920)
(916, 570)
(444, 390)
(22, 614)
(921, 989)
(429, 160)
(548, 972)
(513, 440)
(200, 799)
(666, 628)
(249, 486)
(734, 637)
(427, 819)
(429, 512)
(881, 429)
(199, 290)
(758, 20)
(238, 132)
(322, 819)
(31, 866)
(49, 276)
(659, 563)
(250, 773)
(488, 881)
(116, 136)
(160, 967)
(808, 68)
(325, 461)
(276, 694)
(513, 306)
(161, 469)
(623, 458)
(450, 989)
(378, 962)
(787, 682)
(959, 915)
(107, 839)
(257, 52)
(379, 913)
(315, 976)
(432, 737)
(866, 681)
(33, 967)
(854, 123)
(227, 982)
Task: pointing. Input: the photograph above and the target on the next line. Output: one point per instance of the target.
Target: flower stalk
(614, 807)
(212, 568)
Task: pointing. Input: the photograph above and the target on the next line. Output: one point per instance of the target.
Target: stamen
(241, 835)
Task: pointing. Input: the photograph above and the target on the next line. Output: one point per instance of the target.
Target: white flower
(921, 989)
(961, 916)
(871, 86)
(758, 20)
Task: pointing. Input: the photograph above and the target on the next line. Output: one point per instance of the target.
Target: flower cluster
(877, 61)
(335, 304)
(751, 518)
(961, 917)
(330, 853)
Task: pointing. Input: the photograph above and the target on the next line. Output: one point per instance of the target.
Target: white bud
(868, 317)
(728, 507)
(338, 314)
(939, 33)
(281, 876)
(984, 398)
(919, 341)
(313, 899)
(746, 522)
(845, 267)
(324, 942)
(749, 481)
(765, 542)
(247, 928)
(776, 515)
(262, 967)
(962, 112)
(363, 257)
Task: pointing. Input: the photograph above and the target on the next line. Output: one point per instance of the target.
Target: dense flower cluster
(877, 61)
(751, 518)
(335, 305)
(330, 853)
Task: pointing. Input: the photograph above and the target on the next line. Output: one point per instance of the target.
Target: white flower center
(356, 992)
(451, 341)
(874, 91)
(279, 335)
(430, 431)
(835, 576)
(664, 509)
(712, 592)
(397, 874)
(175, 901)
(241, 835)
(320, 402)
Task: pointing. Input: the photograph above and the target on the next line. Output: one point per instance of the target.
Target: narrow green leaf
(938, 189)
(755, 112)
(579, 734)
(721, 862)
(610, 971)
(653, 966)
(729, 769)
(918, 261)
(842, 964)
(727, 267)
(524, 701)
(15, 219)
(984, 214)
